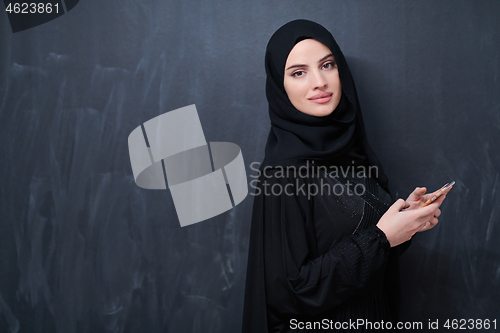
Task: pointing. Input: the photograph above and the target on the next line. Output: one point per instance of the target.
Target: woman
(324, 242)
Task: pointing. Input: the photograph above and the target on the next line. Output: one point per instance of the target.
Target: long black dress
(317, 257)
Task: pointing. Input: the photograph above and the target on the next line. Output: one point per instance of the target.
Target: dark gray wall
(83, 249)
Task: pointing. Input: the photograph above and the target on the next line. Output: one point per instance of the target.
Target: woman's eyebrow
(320, 60)
(294, 66)
(326, 57)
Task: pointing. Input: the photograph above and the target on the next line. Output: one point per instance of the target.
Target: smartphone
(438, 194)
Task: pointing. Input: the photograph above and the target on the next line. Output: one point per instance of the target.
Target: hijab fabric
(339, 138)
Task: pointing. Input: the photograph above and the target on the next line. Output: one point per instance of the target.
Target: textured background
(83, 249)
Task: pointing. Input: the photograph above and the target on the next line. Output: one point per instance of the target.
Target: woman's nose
(318, 80)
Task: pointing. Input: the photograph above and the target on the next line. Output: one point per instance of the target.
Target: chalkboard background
(83, 249)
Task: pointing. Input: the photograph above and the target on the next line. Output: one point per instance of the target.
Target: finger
(427, 212)
(429, 224)
(432, 223)
(399, 205)
(436, 203)
(424, 227)
(417, 194)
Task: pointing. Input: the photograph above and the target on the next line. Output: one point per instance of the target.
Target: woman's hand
(403, 219)
(418, 197)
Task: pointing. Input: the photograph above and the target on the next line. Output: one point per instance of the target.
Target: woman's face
(312, 80)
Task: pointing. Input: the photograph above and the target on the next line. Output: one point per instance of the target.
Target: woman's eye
(298, 73)
(329, 65)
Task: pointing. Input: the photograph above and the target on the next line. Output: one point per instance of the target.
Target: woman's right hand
(399, 225)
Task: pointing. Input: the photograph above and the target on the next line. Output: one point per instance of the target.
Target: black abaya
(318, 259)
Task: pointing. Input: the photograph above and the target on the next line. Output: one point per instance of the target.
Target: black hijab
(338, 138)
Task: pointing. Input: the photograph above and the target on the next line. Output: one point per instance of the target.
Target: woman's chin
(322, 110)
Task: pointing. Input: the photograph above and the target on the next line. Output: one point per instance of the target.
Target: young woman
(324, 239)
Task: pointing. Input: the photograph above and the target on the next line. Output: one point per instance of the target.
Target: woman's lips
(321, 98)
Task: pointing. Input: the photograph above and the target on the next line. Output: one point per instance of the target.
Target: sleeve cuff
(381, 235)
